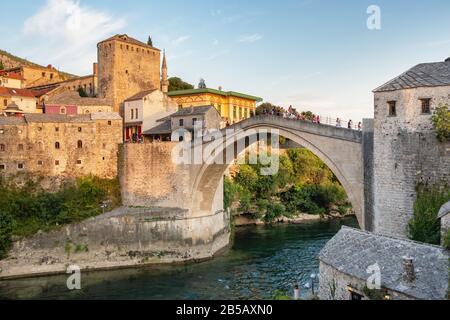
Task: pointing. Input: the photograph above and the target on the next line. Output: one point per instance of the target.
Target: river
(262, 260)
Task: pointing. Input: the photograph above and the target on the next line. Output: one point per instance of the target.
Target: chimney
(95, 68)
(408, 266)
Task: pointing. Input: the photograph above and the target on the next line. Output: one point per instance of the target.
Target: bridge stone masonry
(149, 177)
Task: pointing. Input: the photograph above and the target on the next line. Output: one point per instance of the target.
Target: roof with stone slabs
(434, 74)
(352, 251)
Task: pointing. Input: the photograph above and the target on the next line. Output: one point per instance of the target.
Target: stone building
(126, 67)
(406, 150)
(232, 106)
(60, 145)
(25, 99)
(142, 111)
(184, 121)
(34, 76)
(408, 270)
(11, 80)
(70, 103)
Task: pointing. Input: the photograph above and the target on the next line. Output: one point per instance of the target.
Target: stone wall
(406, 152)
(59, 147)
(367, 141)
(334, 285)
(122, 238)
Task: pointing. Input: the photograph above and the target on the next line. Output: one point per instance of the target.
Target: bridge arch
(340, 149)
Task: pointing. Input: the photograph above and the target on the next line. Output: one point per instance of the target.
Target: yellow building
(232, 106)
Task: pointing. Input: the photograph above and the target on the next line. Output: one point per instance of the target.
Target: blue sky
(313, 54)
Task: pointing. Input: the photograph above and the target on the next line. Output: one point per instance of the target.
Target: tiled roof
(140, 95)
(105, 116)
(352, 251)
(11, 92)
(11, 121)
(213, 91)
(59, 118)
(193, 111)
(73, 98)
(163, 128)
(423, 75)
(11, 75)
(128, 39)
(445, 210)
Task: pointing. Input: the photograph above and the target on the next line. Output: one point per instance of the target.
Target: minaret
(164, 78)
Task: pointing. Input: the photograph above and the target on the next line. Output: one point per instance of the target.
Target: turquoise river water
(262, 260)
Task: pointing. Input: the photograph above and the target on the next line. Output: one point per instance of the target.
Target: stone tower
(406, 150)
(164, 78)
(126, 67)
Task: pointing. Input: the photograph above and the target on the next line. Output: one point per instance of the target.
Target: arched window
(80, 144)
(57, 145)
(2, 147)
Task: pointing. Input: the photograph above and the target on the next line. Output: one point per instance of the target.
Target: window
(80, 144)
(2, 147)
(426, 106)
(43, 74)
(132, 114)
(40, 163)
(63, 110)
(181, 122)
(181, 138)
(392, 108)
(219, 108)
(180, 107)
(20, 147)
(57, 145)
(109, 123)
(137, 113)
(194, 121)
(80, 129)
(234, 112)
(57, 129)
(5, 102)
(51, 75)
(2, 167)
(78, 161)
(20, 166)
(56, 162)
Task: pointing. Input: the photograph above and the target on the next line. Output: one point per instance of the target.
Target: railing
(330, 121)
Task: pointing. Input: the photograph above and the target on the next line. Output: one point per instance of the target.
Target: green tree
(82, 92)
(2, 67)
(267, 107)
(5, 233)
(425, 226)
(202, 84)
(150, 41)
(176, 84)
(441, 122)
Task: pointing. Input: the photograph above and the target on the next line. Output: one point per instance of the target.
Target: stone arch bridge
(149, 176)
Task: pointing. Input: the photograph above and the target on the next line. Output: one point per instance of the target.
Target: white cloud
(249, 38)
(67, 32)
(180, 40)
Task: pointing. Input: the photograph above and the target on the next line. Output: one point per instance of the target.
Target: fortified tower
(406, 150)
(126, 67)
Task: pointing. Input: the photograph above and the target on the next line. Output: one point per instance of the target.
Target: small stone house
(184, 122)
(444, 216)
(407, 270)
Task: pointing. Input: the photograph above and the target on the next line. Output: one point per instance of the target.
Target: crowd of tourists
(292, 113)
